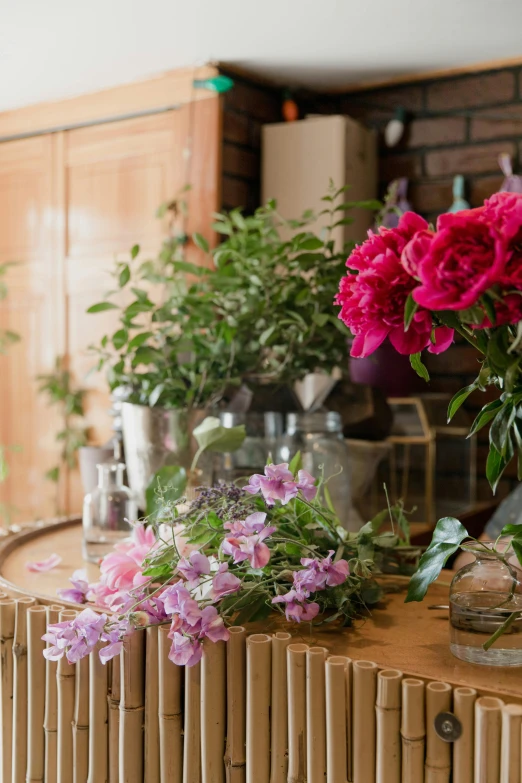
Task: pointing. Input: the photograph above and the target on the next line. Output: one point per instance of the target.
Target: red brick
(236, 127)
(241, 162)
(476, 159)
(235, 193)
(487, 125)
(409, 97)
(396, 166)
(431, 196)
(482, 188)
(470, 91)
(432, 132)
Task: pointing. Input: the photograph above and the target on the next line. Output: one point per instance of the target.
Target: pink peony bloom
(224, 583)
(297, 609)
(306, 485)
(193, 567)
(277, 484)
(508, 311)
(122, 569)
(80, 587)
(41, 566)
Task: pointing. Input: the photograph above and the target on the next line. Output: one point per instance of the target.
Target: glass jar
(319, 438)
(483, 596)
(107, 512)
(263, 434)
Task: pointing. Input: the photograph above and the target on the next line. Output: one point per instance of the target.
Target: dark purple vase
(388, 370)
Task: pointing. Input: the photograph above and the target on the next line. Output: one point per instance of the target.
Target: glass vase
(263, 432)
(107, 512)
(484, 596)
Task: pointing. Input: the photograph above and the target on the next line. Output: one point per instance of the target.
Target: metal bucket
(154, 437)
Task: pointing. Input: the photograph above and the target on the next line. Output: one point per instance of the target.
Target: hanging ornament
(218, 84)
(394, 130)
(459, 202)
(395, 203)
(289, 109)
(512, 182)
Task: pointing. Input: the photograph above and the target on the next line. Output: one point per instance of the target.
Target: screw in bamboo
(170, 718)
(80, 725)
(65, 682)
(114, 719)
(413, 730)
(213, 712)
(258, 682)
(336, 669)
(51, 707)
(152, 767)
(36, 625)
(388, 735)
(235, 753)
(279, 701)
(510, 752)
(192, 725)
(19, 746)
(132, 708)
(364, 721)
(296, 678)
(438, 752)
(98, 719)
(488, 719)
(7, 629)
(463, 748)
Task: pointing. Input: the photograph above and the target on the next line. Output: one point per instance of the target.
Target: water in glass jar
(474, 618)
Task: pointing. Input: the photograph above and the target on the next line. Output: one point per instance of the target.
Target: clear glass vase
(263, 433)
(107, 512)
(485, 595)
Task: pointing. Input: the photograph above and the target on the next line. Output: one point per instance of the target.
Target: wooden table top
(408, 637)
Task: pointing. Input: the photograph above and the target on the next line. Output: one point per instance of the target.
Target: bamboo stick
(114, 719)
(36, 624)
(316, 714)
(132, 708)
(51, 707)
(349, 716)
(235, 754)
(279, 701)
(259, 661)
(98, 718)
(213, 712)
(296, 676)
(488, 717)
(19, 752)
(510, 753)
(364, 721)
(464, 709)
(65, 681)
(336, 722)
(7, 629)
(438, 752)
(388, 736)
(80, 725)
(413, 731)
(170, 728)
(152, 746)
(192, 725)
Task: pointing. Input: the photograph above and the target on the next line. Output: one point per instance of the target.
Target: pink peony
(122, 569)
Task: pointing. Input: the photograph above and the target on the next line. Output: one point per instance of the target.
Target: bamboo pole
(7, 629)
(259, 661)
(463, 749)
(349, 716)
(438, 752)
(132, 708)
(80, 725)
(170, 728)
(279, 716)
(364, 721)
(488, 717)
(388, 735)
(152, 746)
(413, 731)
(19, 747)
(98, 718)
(235, 754)
(192, 725)
(510, 753)
(316, 714)
(65, 681)
(114, 719)
(336, 722)
(296, 676)
(51, 707)
(36, 624)
(213, 712)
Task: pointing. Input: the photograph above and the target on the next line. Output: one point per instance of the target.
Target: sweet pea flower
(185, 650)
(177, 600)
(328, 573)
(79, 590)
(75, 638)
(306, 485)
(254, 523)
(297, 609)
(251, 548)
(224, 583)
(212, 626)
(114, 636)
(193, 567)
(277, 484)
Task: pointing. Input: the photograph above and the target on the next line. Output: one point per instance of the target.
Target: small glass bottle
(483, 596)
(107, 512)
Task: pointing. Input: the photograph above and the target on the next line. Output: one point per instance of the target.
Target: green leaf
(512, 530)
(214, 521)
(124, 276)
(517, 549)
(500, 428)
(510, 377)
(53, 474)
(145, 355)
(265, 336)
(119, 338)
(203, 539)
(495, 466)
(101, 306)
(459, 398)
(410, 308)
(294, 550)
(156, 394)
(138, 307)
(139, 339)
(201, 242)
(166, 486)
(448, 535)
(191, 269)
(418, 366)
(312, 243)
(296, 463)
(211, 435)
(487, 413)
(135, 249)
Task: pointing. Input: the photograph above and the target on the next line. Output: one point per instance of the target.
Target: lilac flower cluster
(279, 483)
(316, 576)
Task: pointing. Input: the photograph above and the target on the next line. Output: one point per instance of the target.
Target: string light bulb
(394, 130)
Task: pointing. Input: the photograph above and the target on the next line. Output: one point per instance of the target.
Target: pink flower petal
(41, 566)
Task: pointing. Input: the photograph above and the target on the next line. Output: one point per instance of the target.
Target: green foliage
(166, 487)
(448, 535)
(420, 368)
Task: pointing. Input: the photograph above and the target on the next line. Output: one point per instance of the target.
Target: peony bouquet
(418, 286)
(231, 556)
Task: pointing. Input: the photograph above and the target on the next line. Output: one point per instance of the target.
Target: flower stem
(506, 625)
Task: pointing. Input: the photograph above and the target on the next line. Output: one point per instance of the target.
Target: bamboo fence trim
(235, 752)
(413, 730)
(488, 721)
(7, 630)
(438, 753)
(98, 719)
(510, 751)
(66, 691)
(296, 676)
(364, 720)
(36, 625)
(19, 745)
(114, 719)
(132, 708)
(51, 707)
(213, 712)
(192, 725)
(170, 717)
(279, 715)
(152, 742)
(80, 726)
(388, 725)
(463, 749)
(336, 728)
(259, 675)
(316, 714)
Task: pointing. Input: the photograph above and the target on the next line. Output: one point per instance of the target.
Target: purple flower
(297, 609)
(212, 625)
(177, 600)
(277, 484)
(110, 651)
(254, 523)
(224, 583)
(193, 567)
(251, 548)
(113, 634)
(329, 574)
(185, 650)
(305, 483)
(75, 638)
(309, 580)
(80, 587)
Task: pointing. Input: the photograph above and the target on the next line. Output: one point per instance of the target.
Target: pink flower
(122, 569)
(297, 609)
(193, 567)
(254, 523)
(224, 583)
(508, 311)
(177, 600)
(319, 574)
(212, 625)
(185, 650)
(306, 485)
(251, 548)
(41, 566)
(80, 587)
(456, 265)
(75, 638)
(277, 484)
